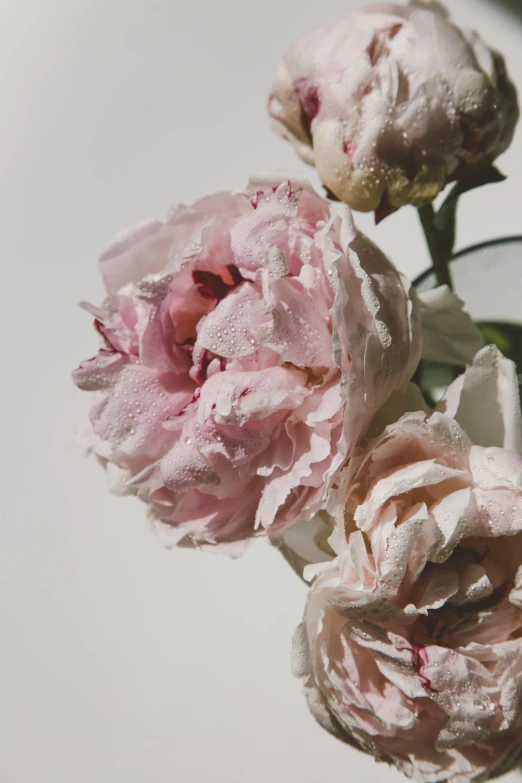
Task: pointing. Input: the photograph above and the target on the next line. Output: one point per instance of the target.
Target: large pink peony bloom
(248, 341)
(411, 644)
(392, 102)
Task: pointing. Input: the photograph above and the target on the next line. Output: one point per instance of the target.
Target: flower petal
(448, 333)
(485, 401)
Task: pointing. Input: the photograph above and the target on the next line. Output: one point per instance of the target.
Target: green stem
(439, 258)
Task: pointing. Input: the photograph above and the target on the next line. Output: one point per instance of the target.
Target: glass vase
(488, 278)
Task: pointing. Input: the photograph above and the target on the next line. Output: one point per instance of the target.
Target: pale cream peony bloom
(411, 644)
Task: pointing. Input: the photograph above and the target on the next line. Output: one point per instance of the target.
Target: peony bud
(392, 102)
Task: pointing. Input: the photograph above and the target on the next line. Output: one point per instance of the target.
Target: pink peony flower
(392, 102)
(411, 644)
(247, 343)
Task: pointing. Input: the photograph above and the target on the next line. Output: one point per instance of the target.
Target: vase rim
(471, 249)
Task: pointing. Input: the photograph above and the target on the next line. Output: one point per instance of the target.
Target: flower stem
(439, 258)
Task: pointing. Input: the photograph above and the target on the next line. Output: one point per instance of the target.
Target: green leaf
(433, 379)
(506, 336)
(493, 335)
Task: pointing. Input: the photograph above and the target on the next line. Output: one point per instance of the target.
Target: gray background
(121, 661)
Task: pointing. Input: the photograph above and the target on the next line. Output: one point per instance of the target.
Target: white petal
(485, 401)
(448, 333)
(307, 542)
(407, 400)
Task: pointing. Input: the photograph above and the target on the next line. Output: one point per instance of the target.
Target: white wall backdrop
(121, 661)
